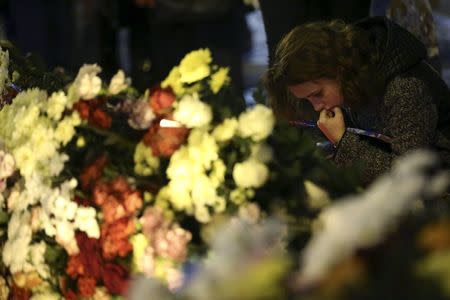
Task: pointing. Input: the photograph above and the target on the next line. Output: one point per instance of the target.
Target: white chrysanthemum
(86, 221)
(192, 112)
(37, 259)
(262, 152)
(217, 174)
(250, 174)
(66, 128)
(16, 249)
(7, 164)
(202, 214)
(56, 105)
(179, 194)
(145, 162)
(195, 66)
(183, 166)
(256, 123)
(226, 130)
(4, 64)
(202, 148)
(118, 83)
(90, 86)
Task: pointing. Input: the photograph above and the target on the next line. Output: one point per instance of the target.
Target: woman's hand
(332, 124)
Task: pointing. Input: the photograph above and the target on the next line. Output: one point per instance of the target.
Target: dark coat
(413, 107)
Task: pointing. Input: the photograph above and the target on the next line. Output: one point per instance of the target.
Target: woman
(371, 75)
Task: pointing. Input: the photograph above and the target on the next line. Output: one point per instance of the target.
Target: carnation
(250, 174)
(7, 164)
(56, 105)
(192, 112)
(256, 123)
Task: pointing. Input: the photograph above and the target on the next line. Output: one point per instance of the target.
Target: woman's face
(321, 93)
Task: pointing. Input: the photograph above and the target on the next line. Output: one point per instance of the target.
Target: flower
(173, 80)
(56, 105)
(192, 112)
(93, 172)
(250, 173)
(161, 100)
(7, 164)
(195, 66)
(88, 262)
(4, 290)
(115, 278)
(256, 123)
(90, 85)
(145, 162)
(115, 238)
(118, 83)
(219, 79)
(164, 141)
(226, 130)
(101, 119)
(142, 115)
(86, 286)
(140, 243)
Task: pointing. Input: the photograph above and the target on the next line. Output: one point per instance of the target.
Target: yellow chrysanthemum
(195, 66)
(219, 79)
(173, 80)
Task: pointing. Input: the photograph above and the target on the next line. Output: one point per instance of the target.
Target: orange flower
(75, 266)
(161, 100)
(86, 286)
(115, 238)
(164, 141)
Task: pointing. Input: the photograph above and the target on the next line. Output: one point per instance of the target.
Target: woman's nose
(318, 106)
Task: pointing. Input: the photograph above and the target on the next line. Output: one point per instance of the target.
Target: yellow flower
(226, 130)
(140, 243)
(173, 80)
(145, 162)
(195, 66)
(219, 79)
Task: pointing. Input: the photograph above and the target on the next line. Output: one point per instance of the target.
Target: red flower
(101, 119)
(18, 293)
(115, 278)
(75, 266)
(115, 238)
(83, 109)
(89, 255)
(70, 295)
(164, 141)
(93, 172)
(161, 100)
(86, 286)
(132, 202)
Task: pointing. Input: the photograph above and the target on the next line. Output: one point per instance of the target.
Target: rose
(86, 286)
(164, 141)
(115, 278)
(89, 255)
(161, 100)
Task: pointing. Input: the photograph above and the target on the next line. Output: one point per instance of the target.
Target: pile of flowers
(99, 182)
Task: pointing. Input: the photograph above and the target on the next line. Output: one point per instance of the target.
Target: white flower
(256, 123)
(7, 164)
(65, 130)
(118, 83)
(37, 259)
(56, 105)
(15, 251)
(362, 221)
(192, 112)
(85, 220)
(86, 85)
(226, 130)
(250, 173)
(202, 148)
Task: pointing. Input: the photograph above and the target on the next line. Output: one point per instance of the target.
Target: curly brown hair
(333, 50)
